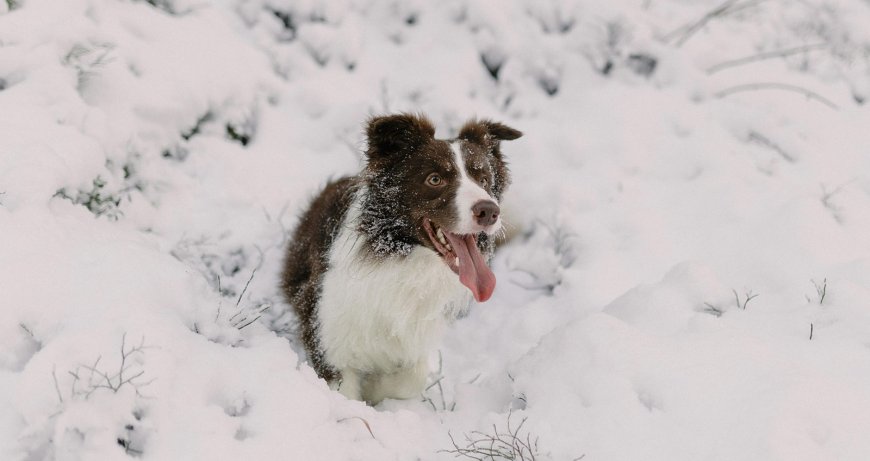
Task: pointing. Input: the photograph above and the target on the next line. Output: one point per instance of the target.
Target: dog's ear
(395, 134)
(487, 133)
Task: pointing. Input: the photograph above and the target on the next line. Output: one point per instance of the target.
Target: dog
(380, 262)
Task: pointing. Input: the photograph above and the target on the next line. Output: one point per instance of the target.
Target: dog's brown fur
(306, 262)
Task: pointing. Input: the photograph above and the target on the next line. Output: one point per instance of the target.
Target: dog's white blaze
(377, 324)
(467, 195)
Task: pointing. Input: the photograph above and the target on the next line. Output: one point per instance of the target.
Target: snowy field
(688, 278)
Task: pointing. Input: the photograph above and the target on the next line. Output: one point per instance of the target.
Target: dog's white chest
(377, 316)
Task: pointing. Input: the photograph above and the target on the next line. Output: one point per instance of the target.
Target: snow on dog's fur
(380, 261)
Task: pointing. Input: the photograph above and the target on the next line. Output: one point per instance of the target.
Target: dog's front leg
(350, 384)
(404, 383)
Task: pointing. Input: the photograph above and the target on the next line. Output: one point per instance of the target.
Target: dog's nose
(485, 212)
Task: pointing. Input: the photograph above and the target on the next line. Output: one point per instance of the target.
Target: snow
(688, 275)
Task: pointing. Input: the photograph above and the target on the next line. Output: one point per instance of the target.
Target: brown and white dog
(381, 261)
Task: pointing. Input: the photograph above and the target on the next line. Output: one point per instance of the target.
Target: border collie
(381, 261)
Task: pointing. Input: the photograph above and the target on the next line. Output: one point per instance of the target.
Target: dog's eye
(435, 180)
(484, 183)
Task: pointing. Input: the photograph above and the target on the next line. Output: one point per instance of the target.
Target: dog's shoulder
(315, 231)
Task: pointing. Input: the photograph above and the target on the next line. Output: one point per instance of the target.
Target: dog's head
(442, 194)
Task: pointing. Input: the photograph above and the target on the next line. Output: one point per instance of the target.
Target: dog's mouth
(462, 256)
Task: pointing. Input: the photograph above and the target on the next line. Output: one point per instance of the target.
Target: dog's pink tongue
(473, 271)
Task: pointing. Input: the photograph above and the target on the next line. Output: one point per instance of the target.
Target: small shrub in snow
(97, 200)
(613, 48)
(717, 309)
(247, 315)
(512, 443)
(88, 379)
(98, 405)
(223, 267)
(179, 151)
(225, 326)
(241, 125)
(87, 59)
(821, 291)
(216, 262)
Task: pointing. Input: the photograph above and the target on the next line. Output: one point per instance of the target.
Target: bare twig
(821, 289)
(828, 202)
(749, 297)
(434, 383)
(713, 310)
(437, 378)
(811, 331)
(438, 382)
(220, 299)
(686, 32)
(765, 55)
(245, 289)
(776, 86)
(363, 421)
(763, 140)
(431, 403)
(279, 219)
(244, 316)
(251, 316)
(56, 386)
(27, 330)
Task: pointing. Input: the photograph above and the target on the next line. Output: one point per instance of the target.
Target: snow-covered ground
(689, 277)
